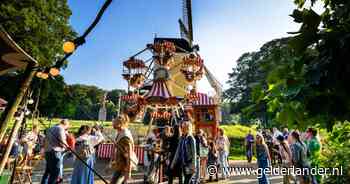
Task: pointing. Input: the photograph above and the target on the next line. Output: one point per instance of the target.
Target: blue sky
(224, 29)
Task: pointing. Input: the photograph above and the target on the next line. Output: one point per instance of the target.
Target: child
(213, 159)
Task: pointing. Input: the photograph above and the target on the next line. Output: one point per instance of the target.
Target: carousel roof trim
(179, 42)
(159, 89)
(12, 56)
(204, 100)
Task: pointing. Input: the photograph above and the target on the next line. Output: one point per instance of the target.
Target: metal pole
(149, 127)
(119, 103)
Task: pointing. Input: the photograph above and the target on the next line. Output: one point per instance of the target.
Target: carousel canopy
(203, 100)
(159, 90)
(179, 43)
(12, 57)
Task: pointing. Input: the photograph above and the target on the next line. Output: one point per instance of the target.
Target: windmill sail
(186, 26)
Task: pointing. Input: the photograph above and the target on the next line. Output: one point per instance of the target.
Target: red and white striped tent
(159, 90)
(203, 100)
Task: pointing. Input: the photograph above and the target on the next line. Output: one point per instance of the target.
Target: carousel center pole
(149, 127)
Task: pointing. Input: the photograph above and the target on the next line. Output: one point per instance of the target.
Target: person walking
(213, 160)
(202, 153)
(223, 145)
(55, 145)
(263, 158)
(150, 165)
(314, 149)
(186, 152)
(29, 141)
(286, 155)
(249, 141)
(85, 149)
(124, 159)
(299, 157)
(175, 170)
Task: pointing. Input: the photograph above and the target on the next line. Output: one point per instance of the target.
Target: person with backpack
(299, 157)
(124, 159)
(84, 147)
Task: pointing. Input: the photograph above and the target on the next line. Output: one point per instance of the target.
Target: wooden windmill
(167, 81)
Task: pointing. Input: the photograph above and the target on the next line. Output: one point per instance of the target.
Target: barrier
(106, 150)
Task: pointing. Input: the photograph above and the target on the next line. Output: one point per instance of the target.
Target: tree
(38, 26)
(247, 80)
(329, 69)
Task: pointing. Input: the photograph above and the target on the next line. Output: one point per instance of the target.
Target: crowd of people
(185, 155)
(176, 151)
(286, 149)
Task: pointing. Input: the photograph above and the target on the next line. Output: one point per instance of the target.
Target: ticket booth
(205, 114)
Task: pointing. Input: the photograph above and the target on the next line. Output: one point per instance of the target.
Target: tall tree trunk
(11, 109)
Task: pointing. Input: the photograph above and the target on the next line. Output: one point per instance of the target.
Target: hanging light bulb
(68, 47)
(27, 112)
(39, 74)
(30, 101)
(54, 71)
(44, 75)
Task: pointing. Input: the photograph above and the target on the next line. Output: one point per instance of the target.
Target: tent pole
(7, 116)
(11, 141)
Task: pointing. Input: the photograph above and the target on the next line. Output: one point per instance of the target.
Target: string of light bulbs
(69, 47)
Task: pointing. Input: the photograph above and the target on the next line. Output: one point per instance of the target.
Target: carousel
(164, 87)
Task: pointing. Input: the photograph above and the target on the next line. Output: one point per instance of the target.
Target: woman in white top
(85, 149)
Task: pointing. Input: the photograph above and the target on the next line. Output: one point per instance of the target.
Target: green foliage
(237, 131)
(328, 34)
(57, 99)
(301, 80)
(336, 153)
(38, 26)
(237, 134)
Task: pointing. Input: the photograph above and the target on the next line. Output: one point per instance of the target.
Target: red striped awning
(159, 90)
(203, 99)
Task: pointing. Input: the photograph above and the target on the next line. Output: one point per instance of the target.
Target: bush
(237, 134)
(336, 153)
